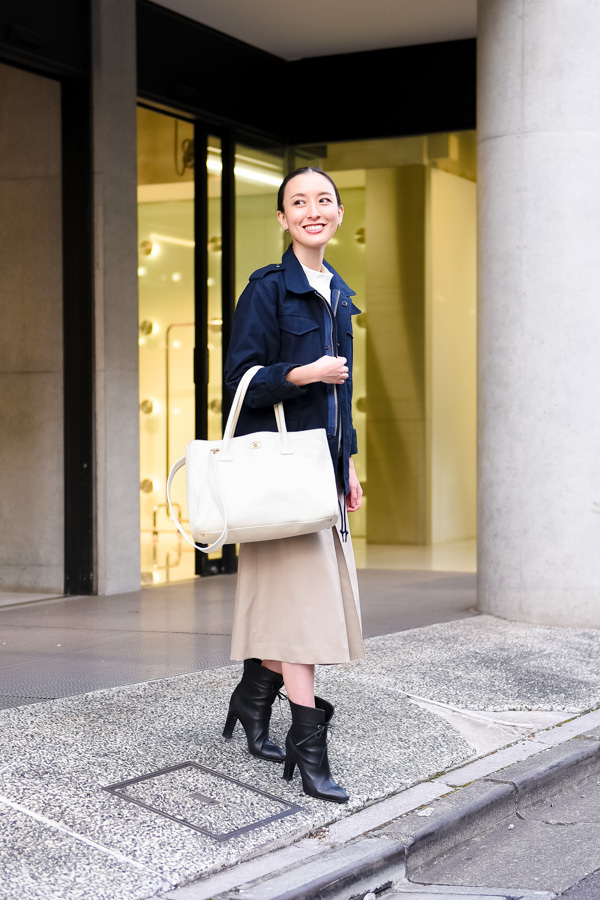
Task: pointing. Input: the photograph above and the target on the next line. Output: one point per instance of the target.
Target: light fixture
(150, 247)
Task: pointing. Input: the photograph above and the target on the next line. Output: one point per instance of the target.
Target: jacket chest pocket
(300, 339)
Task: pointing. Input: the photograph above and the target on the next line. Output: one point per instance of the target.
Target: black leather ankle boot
(251, 703)
(306, 747)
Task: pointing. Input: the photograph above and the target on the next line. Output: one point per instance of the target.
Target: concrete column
(31, 348)
(539, 310)
(116, 299)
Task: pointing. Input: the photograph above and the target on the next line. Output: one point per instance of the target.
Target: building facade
(141, 155)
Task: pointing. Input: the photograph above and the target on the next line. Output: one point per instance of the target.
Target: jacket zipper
(333, 322)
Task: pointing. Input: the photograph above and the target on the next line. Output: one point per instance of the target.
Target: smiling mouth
(314, 229)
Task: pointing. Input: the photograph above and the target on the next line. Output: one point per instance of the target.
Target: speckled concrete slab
(484, 663)
(40, 861)
(58, 757)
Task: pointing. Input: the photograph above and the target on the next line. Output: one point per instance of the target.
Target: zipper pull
(335, 296)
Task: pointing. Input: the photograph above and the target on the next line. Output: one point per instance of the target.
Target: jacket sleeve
(255, 341)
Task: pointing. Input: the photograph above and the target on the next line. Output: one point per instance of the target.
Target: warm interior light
(169, 239)
(245, 173)
(255, 176)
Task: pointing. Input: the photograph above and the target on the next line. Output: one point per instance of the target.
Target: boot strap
(317, 734)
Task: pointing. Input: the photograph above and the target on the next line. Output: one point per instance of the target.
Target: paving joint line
(64, 829)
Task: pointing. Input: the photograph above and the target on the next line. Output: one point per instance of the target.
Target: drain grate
(214, 804)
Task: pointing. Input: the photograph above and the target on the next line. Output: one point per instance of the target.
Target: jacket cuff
(354, 443)
(277, 383)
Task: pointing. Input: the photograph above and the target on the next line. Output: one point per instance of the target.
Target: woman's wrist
(301, 375)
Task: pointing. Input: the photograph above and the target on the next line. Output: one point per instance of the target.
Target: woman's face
(311, 213)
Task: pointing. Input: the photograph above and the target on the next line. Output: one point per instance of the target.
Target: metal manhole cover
(203, 799)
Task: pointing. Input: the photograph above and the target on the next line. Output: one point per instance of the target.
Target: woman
(297, 598)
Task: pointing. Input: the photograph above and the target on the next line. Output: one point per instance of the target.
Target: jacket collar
(297, 282)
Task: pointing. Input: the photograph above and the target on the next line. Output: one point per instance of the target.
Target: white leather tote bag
(257, 487)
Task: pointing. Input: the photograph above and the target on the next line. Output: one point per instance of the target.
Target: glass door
(206, 219)
(166, 202)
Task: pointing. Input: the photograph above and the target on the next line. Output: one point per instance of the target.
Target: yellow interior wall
(395, 280)
(451, 300)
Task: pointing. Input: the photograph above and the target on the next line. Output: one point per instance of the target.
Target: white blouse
(320, 281)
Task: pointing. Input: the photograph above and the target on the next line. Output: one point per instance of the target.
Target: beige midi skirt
(297, 600)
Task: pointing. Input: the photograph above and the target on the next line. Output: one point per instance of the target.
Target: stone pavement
(131, 792)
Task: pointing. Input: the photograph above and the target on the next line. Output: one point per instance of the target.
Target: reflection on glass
(166, 161)
(166, 334)
(258, 235)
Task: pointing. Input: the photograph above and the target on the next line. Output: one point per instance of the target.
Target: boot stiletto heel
(230, 725)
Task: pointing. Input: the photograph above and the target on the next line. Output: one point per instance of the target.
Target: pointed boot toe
(306, 747)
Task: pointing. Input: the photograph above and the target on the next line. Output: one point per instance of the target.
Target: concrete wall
(31, 363)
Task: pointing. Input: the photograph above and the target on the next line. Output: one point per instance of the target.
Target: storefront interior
(407, 247)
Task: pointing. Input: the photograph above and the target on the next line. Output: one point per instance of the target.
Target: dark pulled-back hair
(304, 170)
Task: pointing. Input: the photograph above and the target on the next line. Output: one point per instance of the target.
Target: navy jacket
(281, 322)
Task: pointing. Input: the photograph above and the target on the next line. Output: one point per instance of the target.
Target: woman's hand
(354, 497)
(329, 369)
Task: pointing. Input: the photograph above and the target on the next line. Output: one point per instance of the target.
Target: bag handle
(234, 414)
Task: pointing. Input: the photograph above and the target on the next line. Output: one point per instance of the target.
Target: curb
(392, 849)
(348, 872)
(461, 816)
